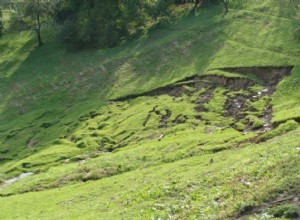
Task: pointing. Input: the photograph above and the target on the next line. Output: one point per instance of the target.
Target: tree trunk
(38, 30)
(197, 2)
(225, 3)
(39, 37)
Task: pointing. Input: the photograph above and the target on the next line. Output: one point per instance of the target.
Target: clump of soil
(232, 83)
(164, 117)
(180, 119)
(235, 107)
(270, 75)
(204, 99)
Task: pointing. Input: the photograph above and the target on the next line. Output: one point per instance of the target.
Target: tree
(32, 14)
(197, 2)
(107, 23)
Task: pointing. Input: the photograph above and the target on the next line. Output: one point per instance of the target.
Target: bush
(286, 211)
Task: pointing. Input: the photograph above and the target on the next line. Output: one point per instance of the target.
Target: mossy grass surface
(154, 156)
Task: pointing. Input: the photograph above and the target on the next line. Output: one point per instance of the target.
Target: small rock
(86, 156)
(82, 162)
(31, 143)
(21, 176)
(266, 90)
(161, 137)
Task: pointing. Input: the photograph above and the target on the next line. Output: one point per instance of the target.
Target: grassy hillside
(194, 120)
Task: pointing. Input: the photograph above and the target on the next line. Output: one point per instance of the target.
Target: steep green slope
(196, 120)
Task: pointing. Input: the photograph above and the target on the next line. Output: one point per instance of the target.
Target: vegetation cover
(149, 109)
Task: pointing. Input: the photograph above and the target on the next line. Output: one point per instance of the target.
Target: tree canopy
(32, 14)
(94, 23)
(106, 23)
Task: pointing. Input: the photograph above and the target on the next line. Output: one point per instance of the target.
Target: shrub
(286, 211)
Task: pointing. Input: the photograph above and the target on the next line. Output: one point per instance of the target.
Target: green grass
(286, 108)
(152, 157)
(191, 187)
